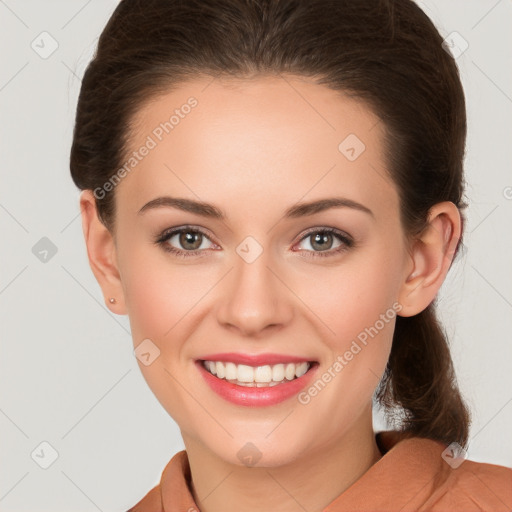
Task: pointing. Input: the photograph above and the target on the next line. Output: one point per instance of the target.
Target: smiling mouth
(257, 376)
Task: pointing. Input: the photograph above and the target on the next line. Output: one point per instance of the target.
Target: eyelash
(347, 242)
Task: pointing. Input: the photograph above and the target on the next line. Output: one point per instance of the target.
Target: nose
(254, 299)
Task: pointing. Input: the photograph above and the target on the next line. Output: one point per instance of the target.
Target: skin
(254, 148)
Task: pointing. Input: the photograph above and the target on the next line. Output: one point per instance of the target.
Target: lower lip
(254, 396)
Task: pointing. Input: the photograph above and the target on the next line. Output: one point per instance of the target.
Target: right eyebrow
(187, 205)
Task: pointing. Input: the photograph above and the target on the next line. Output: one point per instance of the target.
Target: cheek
(358, 306)
(158, 296)
(159, 293)
(352, 298)
(154, 293)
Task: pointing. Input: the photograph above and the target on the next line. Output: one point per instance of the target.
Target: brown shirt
(411, 476)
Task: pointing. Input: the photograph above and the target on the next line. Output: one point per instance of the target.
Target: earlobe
(101, 252)
(432, 254)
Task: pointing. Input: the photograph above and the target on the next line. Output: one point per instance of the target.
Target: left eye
(324, 240)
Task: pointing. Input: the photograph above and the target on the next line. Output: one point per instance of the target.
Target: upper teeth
(267, 373)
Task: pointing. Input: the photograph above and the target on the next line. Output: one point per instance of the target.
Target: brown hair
(385, 52)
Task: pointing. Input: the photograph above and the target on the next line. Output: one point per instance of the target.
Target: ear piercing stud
(112, 300)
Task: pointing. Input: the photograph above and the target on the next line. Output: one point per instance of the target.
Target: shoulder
(474, 486)
(423, 474)
(462, 484)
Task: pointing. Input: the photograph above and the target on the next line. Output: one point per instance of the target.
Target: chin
(258, 450)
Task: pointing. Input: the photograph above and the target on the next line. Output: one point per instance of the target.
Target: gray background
(67, 370)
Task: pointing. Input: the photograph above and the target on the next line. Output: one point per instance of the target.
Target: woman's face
(273, 277)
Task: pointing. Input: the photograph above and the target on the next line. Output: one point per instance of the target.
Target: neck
(310, 482)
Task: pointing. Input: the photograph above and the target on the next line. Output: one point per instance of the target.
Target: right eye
(184, 241)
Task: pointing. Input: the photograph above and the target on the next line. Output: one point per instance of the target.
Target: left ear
(432, 254)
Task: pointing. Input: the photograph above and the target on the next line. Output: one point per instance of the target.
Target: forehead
(271, 139)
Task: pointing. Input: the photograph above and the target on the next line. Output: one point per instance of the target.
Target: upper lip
(254, 359)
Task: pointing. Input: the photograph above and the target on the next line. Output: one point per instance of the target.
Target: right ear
(101, 251)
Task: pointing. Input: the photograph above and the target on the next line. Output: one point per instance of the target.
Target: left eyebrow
(305, 209)
(296, 211)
